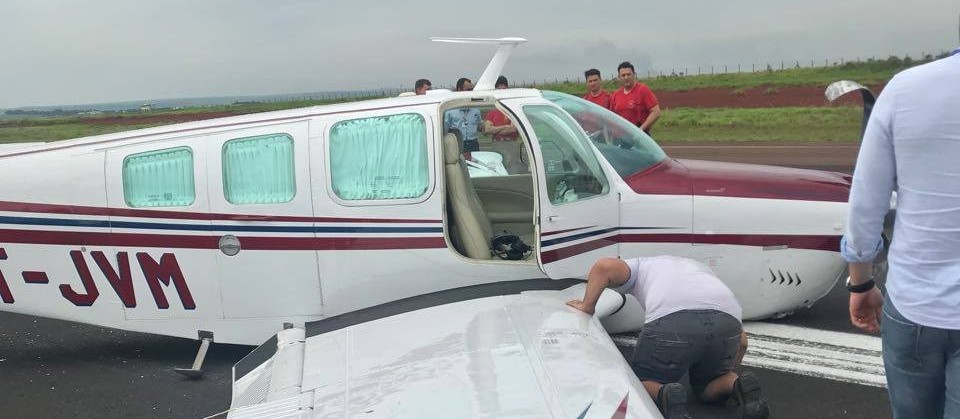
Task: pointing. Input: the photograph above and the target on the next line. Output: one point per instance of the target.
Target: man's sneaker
(672, 401)
(746, 392)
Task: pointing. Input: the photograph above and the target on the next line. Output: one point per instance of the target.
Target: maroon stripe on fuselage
(76, 238)
(570, 251)
(810, 242)
(823, 242)
(550, 233)
(178, 215)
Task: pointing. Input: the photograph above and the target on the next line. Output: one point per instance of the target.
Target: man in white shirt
(912, 143)
(692, 324)
(468, 121)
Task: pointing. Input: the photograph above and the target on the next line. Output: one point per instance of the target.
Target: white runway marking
(837, 356)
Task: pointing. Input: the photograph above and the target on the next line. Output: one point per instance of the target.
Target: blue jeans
(922, 365)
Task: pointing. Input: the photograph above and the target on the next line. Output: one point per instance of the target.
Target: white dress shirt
(912, 143)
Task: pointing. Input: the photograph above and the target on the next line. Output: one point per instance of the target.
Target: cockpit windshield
(626, 147)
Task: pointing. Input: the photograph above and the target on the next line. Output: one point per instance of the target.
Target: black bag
(509, 247)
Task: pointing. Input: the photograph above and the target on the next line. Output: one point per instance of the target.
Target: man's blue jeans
(922, 365)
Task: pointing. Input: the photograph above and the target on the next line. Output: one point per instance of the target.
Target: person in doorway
(466, 120)
(692, 325)
(634, 101)
(504, 135)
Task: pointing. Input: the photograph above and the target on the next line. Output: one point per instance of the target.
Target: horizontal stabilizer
(494, 69)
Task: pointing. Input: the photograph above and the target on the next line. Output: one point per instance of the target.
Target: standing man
(912, 145)
(595, 92)
(466, 120)
(692, 324)
(634, 100)
(504, 135)
(421, 86)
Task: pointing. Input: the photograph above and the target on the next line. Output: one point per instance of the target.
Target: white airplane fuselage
(76, 245)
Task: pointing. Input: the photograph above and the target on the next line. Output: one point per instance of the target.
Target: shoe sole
(752, 404)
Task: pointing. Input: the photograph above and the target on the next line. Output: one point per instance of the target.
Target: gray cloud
(64, 52)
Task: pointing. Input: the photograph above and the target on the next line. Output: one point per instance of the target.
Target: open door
(579, 213)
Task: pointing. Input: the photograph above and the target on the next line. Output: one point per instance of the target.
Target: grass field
(760, 124)
(677, 124)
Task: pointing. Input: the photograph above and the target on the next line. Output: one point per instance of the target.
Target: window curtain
(379, 158)
(159, 178)
(259, 170)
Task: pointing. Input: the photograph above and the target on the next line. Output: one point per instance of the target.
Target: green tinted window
(624, 145)
(162, 178)
(379, 158)
(569, 163)
(259, 170)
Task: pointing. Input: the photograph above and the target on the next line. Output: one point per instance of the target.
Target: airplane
(225, 228)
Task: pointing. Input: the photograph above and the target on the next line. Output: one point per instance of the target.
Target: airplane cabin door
(579, 212)
(261, 204)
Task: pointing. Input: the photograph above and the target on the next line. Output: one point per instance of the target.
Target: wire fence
(686, 71)
(891, 61)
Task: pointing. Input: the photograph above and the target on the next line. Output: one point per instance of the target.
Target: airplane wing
(522, 355)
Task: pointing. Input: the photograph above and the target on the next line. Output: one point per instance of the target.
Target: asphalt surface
(57, 369)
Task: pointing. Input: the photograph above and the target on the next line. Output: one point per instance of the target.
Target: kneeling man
(692, 324)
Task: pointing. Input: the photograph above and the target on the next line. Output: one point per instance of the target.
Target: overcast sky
(75, 52)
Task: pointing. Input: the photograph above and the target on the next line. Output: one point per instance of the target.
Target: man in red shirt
(504, 135)
(595, 92)
(633, 100)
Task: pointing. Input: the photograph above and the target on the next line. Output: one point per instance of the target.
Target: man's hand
(579, 305)
(865, 310)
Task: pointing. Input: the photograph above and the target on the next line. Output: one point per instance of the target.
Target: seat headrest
(452, 149)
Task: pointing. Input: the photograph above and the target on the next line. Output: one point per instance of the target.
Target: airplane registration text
(158, 274)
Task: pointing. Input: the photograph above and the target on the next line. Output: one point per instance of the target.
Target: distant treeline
(48, 112)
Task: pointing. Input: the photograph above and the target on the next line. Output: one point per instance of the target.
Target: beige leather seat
(469, 223)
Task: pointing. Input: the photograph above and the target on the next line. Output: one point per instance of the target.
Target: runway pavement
(54, 369)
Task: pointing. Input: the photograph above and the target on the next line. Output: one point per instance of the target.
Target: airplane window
(569, 163)
(382, 157)
(625, 146)
(259, 170)
(162, 178)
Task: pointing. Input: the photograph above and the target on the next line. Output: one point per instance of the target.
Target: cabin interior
(489, 187)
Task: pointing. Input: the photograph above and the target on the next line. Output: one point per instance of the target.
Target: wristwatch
(860, 288)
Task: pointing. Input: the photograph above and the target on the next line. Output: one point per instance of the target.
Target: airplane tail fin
(488, 79)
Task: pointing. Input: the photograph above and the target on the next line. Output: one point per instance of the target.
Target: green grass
(55, 128)
(767, 124)
(64, 131)
(759, 124)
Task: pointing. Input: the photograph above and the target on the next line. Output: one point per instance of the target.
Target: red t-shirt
(588, 120)
(634, 106)
(602, 99)
(497, 118)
